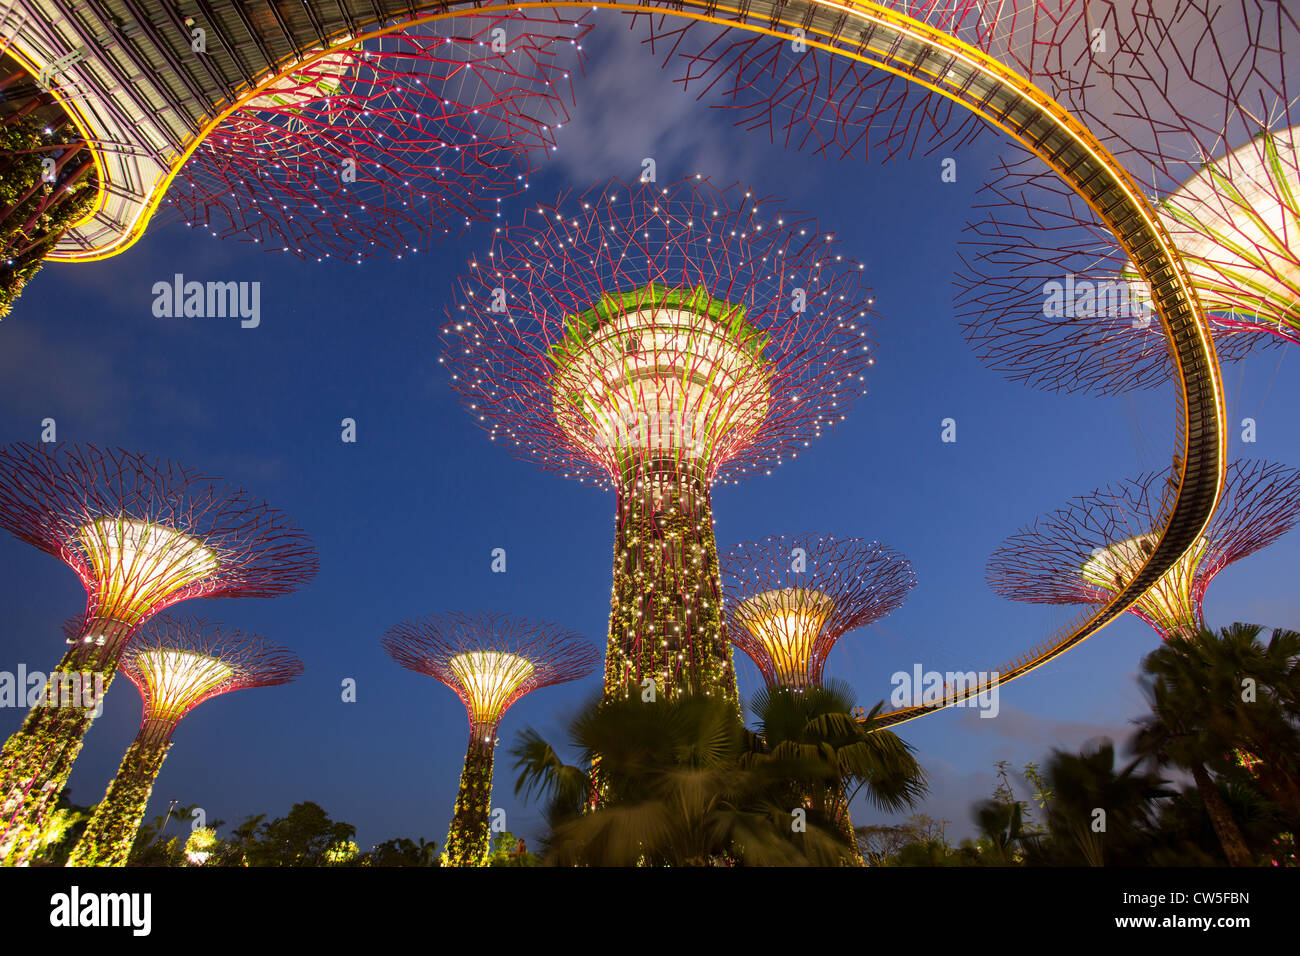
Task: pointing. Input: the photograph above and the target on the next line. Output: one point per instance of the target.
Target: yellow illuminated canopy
(488, 680)
(1169, 602)
(787, 623)
(177, 679)
(137, 563)
(661, 382)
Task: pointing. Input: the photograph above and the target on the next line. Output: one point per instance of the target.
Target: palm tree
(1225, 694)
(1260, 688)
(812, 738)
(1087, 782)
(1191, 726)
(674, 790)
(1185, 835)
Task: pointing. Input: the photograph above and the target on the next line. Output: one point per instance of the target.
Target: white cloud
(628, 109)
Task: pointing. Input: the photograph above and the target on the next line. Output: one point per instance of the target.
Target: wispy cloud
(90, 393)
(1042, 731)
(629, 109)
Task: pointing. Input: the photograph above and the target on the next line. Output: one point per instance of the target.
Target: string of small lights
(176, 664)
(141, 534)
(658, 340)
(489, 661)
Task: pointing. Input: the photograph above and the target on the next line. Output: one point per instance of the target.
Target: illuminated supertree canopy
(1195, 100)
(142, 534)
(490, 661)
(176, 664)
(1085, 552)
(1047, 298)
(789, 599)
(657, 340)
(383, 148)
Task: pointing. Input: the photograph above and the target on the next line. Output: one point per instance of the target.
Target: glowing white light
(1170, 602)
(321, 80)
(489, 678)
(787, 623)
(137, 563)
(177, 679)
(1232, 224)
(662, 382)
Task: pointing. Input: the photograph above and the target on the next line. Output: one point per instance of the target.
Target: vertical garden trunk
(112, 830)
(665, 621)
(468, 838)
(1234, 846)
(844, 824)
(37, 760)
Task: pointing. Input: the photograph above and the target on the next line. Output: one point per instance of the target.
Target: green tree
(505, 852)
(303, 837)
(35, 212)
(1098, 815)
(813, 739)
(153, 847)
(1185, 835)
(404, 852)
(674, 790)
(1213, 696)
(919, 840)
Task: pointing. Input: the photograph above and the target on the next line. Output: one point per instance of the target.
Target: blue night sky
(406, 518)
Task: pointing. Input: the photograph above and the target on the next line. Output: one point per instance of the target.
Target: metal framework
(805, 97)
(142, 534)
(1086, 552)
(658, 339)
(1046, 297)
(147, 81)
(1197, 102)
(387, 147)
(868, 33)
(129, 73)
(176, 664)
(790, 599)
(489, 661)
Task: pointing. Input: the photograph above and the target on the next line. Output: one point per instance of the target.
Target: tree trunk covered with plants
(47, 183)
(37, 760)
(112, 830)
(468, 839)
(665, 621)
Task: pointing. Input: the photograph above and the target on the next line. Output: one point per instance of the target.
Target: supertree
(789, 599)
(1194, 98)
(176, 664)
(142, 534)
(1085, 552)
(659, 340)
(388, 145)
(490, 661)
(344, 129)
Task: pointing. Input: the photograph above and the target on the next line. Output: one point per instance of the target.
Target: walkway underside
(128, 72)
